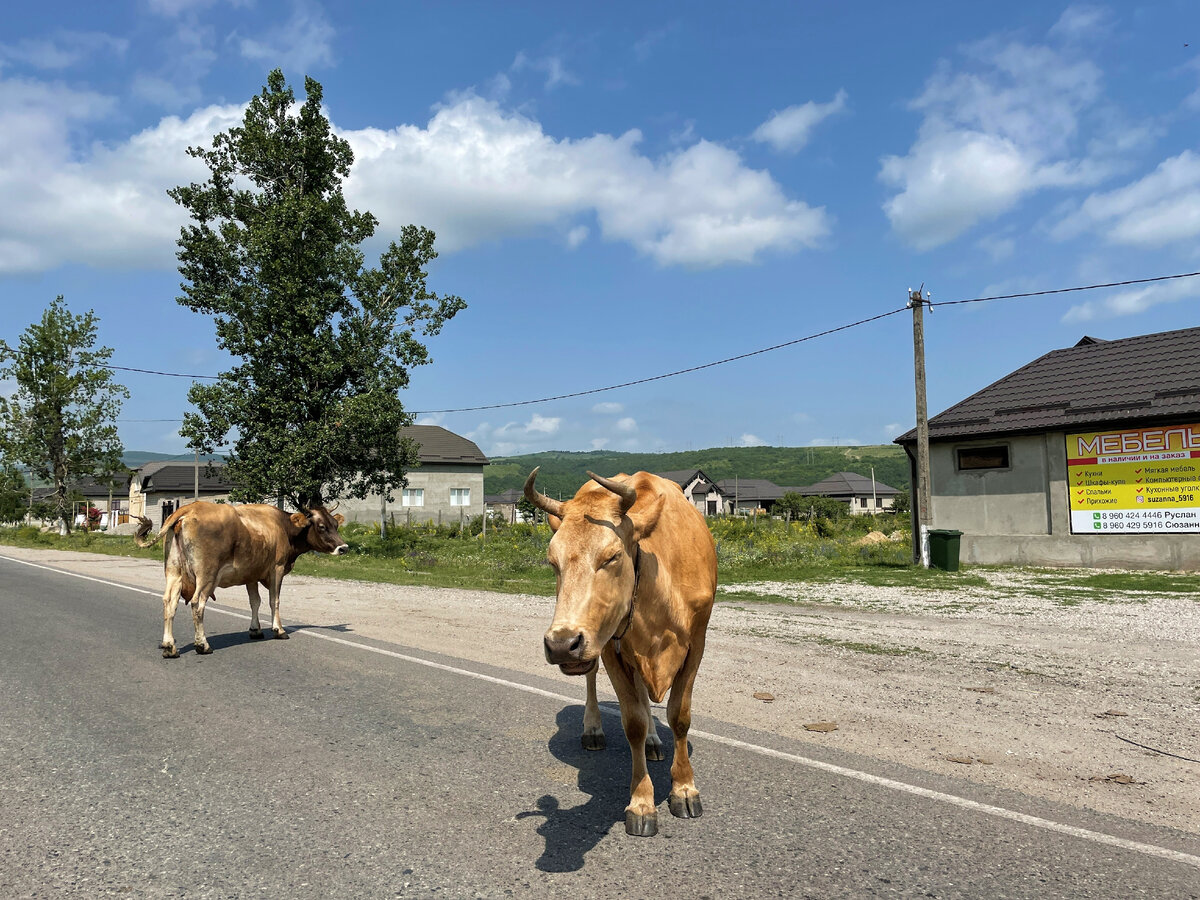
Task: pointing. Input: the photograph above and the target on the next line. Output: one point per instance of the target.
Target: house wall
(1021, 515)
(436, 481)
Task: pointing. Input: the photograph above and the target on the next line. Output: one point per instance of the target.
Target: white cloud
(599, 443)
(577, 236)
(989, 138)
(608, 409)
(107, 209)
(474, 173)
(893, 430)
(553, 67)
(998, 248)
(751, 440)
(1131, 302)
(297, 46)
(1081, 22)
(514, 438)
(477, 172)
(788, 130)
(627, 425)
(1161, 208)
(65, 49)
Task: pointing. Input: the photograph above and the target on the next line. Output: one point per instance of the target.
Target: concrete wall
(436, 481)
(1021, 515)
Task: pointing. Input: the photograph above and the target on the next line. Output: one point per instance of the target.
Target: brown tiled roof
(441, 446)
(1093, 384)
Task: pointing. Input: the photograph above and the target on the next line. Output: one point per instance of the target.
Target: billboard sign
(1140, 480)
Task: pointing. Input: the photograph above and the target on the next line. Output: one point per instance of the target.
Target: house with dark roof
(748, 495)
(1086, 456)
(865, 496)
(445, 487)
(157, 489)
(701, 491)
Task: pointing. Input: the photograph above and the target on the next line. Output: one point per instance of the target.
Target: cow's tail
(144, 526)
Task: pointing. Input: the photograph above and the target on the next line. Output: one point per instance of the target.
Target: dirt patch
(1029, 683)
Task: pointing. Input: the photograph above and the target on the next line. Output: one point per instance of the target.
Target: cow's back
(235, 544)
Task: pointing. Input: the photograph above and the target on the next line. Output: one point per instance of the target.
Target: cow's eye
(612, 559)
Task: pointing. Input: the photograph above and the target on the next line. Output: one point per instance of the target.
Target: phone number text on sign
(1144, 480)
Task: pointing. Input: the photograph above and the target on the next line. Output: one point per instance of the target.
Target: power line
(1086, 287)
(719, 362)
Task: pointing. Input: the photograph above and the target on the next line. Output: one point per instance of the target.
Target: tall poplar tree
(61, 421)
(323, 343)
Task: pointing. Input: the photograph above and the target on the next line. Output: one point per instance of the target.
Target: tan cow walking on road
(637, 573)
(212, 545)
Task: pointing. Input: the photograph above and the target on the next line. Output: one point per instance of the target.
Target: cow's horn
(541, 501)
(336, 504)
(627, 492)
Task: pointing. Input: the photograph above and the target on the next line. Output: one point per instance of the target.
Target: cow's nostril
(576, 644)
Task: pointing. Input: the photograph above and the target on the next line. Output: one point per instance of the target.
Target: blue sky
(629, 189)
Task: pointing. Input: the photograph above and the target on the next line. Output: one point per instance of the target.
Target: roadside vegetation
(512, 558)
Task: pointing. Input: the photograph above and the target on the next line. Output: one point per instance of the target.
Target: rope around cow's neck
(637, 574)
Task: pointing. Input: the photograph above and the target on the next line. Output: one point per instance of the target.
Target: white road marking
(1000, 812)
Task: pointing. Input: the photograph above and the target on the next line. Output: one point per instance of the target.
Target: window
(413, 497)
(460, 496)
(864, 502)
(982, 457)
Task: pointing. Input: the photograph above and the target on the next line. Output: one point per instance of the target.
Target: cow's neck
(637, 575)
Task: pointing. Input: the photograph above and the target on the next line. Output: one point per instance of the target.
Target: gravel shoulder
(1018, 684)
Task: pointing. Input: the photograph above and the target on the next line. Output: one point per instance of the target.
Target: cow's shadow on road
(226, 639)
(570, 832)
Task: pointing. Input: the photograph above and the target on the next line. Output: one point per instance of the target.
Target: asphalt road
(318, 768)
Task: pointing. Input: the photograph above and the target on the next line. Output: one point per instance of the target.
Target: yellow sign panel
(1143, 480)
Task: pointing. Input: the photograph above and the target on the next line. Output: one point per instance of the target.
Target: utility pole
(916, 302)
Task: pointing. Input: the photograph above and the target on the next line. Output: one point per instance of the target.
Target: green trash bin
(943, 549)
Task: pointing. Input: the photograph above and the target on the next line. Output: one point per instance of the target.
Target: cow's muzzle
(565, 647)
(341, 551)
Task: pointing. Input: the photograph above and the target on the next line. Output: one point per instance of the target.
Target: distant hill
(563, 472)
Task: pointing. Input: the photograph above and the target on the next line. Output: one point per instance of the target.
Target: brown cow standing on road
(637, 572)
(214, 545)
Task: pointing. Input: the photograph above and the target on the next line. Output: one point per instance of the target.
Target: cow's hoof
(203, 649)
(280, 635)
(170, 653)
(654, 748)
(685, 807)
(639, 825)
(256, 634)
(593, 740)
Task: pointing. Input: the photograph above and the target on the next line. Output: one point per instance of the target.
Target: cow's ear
(339, 518)
(299, 519)
(646, 520)
(555, 522)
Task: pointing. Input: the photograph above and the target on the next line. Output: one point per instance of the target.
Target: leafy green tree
(324, 344)
(14, 494)
(791, 505)
(60, 423)
(902, 503)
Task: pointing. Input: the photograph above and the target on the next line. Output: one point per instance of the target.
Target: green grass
(861, 647)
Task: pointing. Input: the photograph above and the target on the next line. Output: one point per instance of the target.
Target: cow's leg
(273, 595)
(204, 590)
(641, 817)
(684, 800)
(593, 728)
(170, 604)
(255, 600)
(654, 748)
